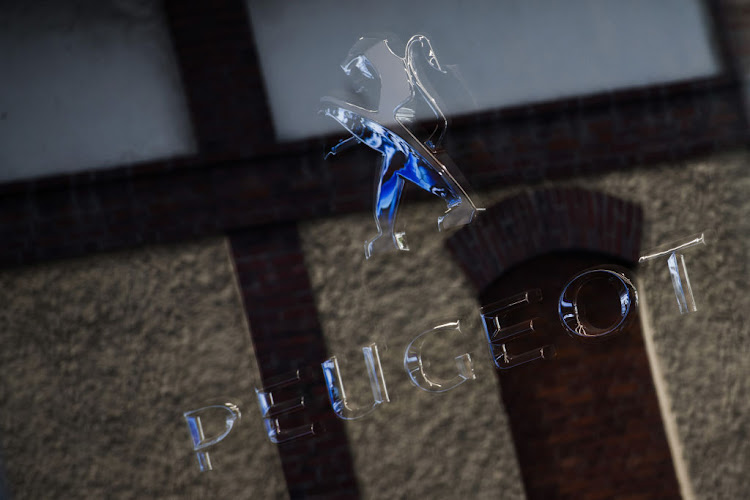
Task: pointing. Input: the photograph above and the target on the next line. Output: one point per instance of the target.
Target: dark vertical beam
(221, 75)
(4, 489)
(731, 29)
(286, 334)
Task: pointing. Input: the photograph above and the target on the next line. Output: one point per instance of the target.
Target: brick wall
(545, 221)
(586, 424)
(286, 336)
(599, 133)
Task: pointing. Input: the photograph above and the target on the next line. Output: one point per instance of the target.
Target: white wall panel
(86, 85)
(509, 52)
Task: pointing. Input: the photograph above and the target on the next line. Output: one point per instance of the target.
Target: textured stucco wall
(100, 356)
(456, 444)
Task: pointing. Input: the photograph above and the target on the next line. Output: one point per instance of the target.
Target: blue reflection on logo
(396, 80)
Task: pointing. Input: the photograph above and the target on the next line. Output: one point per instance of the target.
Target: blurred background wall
(166, 244)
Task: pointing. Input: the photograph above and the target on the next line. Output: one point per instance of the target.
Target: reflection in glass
(272, 410)
(390, 87)
(342, 405)
(501, 335)
(683, 290)
(576, 314)
(414, 364)
(197, 433)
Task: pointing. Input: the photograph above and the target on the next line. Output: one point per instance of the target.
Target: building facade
(150, 288)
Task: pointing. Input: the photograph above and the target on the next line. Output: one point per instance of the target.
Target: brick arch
(543, 221)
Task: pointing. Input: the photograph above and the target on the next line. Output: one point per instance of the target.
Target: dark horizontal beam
(174, 200)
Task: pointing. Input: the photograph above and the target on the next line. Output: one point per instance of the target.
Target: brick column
(586, 425)
(286, 335)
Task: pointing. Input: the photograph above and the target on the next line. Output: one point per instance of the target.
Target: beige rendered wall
(99, 358)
